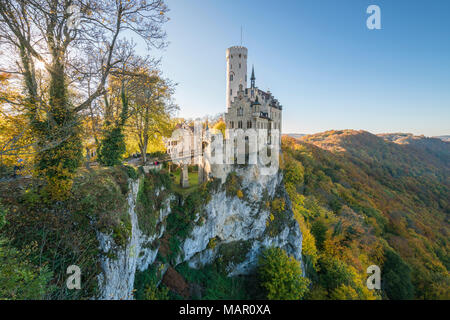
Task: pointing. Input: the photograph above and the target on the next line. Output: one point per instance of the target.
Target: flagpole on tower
(241, 36)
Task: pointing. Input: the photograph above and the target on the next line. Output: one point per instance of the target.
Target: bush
(214, 284)
(145, 286)
(19, 279)
(281, 275)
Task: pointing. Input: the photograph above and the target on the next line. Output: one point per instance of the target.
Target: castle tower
(236, 71)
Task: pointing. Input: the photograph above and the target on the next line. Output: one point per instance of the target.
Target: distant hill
(361, 192)
(444, 138)
(295, 135)
(438, 146)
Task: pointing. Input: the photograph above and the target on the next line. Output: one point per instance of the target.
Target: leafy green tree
(396, 277)
(112, 147)
(294, 173)
(281, 275)
(319, 231)
(334, 273)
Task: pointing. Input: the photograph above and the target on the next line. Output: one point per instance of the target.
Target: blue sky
(319, 60)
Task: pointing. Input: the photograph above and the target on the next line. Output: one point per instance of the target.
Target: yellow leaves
(278, 205)
(220, 126)
(212, 243)
(308, 243)
(239, 194)
(344, 292)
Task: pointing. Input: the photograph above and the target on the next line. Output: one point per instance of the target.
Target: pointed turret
(252, 78)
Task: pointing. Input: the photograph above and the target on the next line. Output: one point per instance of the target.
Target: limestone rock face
(119, 265)
(235, 228)
(233, 220)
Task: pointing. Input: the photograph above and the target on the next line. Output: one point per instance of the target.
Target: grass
(193, 182)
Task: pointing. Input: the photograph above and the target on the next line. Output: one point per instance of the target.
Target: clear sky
(319, 60)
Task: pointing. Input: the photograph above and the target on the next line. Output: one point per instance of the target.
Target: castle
(247, 108)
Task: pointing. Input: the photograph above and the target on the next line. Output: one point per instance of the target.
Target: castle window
(239, 55)
(249, 124)
(240, 125)
(231, 77)
(231, 92)
(232, 124)
(239, 65)
(240, 112)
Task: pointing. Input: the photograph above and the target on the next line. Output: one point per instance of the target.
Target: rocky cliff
(232, 221)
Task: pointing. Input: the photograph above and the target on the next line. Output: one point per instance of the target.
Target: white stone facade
(236, 71)
(248, 107)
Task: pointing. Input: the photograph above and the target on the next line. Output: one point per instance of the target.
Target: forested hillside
(363, 199)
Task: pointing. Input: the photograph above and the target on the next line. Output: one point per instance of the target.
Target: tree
(319, 230)
(334, 273)
(40, 33)
(396, 277)
(281, 275)
(150, 109)
(220, 125)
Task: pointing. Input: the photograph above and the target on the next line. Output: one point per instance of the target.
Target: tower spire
(252, 78)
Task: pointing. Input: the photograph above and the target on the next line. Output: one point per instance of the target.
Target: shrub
(20, 279)
(281, 275)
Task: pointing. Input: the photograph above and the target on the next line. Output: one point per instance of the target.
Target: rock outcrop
(237, 222)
